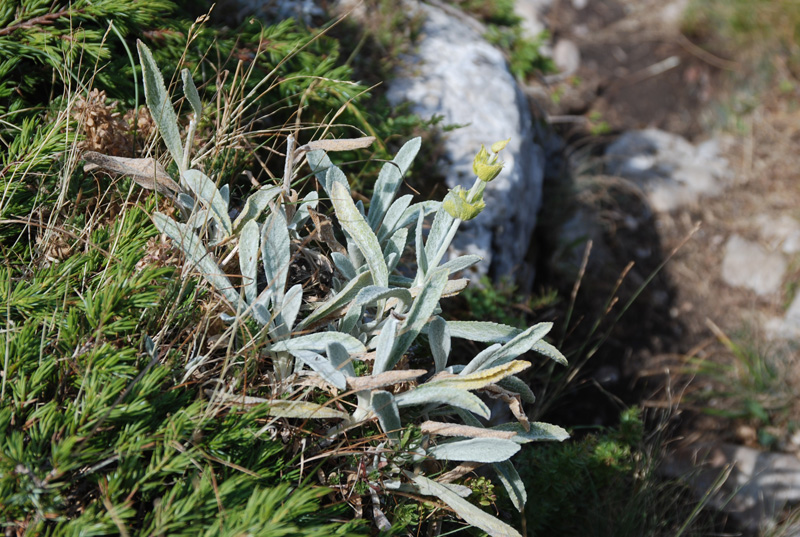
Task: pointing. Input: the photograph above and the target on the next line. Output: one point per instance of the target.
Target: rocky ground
(668, 167)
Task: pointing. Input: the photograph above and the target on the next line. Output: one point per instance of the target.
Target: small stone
(750, 265)
(566, 56)
(673, 172)
(782, 232)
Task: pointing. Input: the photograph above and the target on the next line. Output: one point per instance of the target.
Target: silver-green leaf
(255, 204)
(385, 407)
(355, 225)
(389, 179)
(482, 331)
(160, 105)
(339, 301)
(512, 482)
(190, 90)
(196, 253)
(454, 397)
(248, 259)
(539, 432)
(208, 194)
(439, 339)
(276, 253)
(319, 342)
(470, 513)
(476, 450)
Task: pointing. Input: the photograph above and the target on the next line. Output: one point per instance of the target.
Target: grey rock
(759, 485)
(780, 232)
(456, 74)
(671, 171)
(566, 56)
(788, 326)
(750, 265)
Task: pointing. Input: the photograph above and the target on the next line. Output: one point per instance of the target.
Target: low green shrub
(372, 312)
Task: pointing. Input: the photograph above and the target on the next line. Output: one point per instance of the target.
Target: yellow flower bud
(484, 168)
(499, 146)
(457, 206)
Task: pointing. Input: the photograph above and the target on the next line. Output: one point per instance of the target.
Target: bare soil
(638, 70)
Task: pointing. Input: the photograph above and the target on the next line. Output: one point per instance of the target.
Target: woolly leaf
(461, 263)
(394, 248)
(544, 348)
(447, 396)
(539, 432)
(290, 307)
(516, 385)
(373, 294)
(439, 339)
(255, 204)
(422, 259)
(339, 301)
(190, 90)
(389, 180)
(419, 314)
(249, 241)
(275, 253)
(160, 106)
(393, 216)
(512, 482)
(521, 344)
(411, 214)
(319, 163)
(196, 253)
(470, 513)
(479, 379)
(476, 450)
(385, 407)
(440, 228)
(344, 265)
(323, 366)
(384, 345)
(340, 359)
(336, 176)
(355, 225)
(481, 331)
(319, 342)
(207, 193)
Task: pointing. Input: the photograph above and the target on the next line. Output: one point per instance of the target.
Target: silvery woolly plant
(375, 313)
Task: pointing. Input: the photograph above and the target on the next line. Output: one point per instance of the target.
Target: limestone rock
(672, 171)
(566, 56)
(456, 74)
(748, 264)
(780, 232)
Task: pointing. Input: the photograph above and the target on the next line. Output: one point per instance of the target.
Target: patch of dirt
(637, 70)
(641, 71)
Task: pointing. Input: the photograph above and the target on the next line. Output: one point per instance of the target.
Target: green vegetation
(762, 25)
(504, 30)
(748, 382)
(138, 398)
(614, 472)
